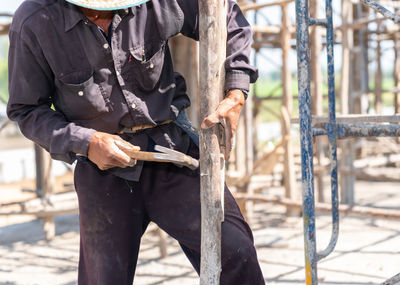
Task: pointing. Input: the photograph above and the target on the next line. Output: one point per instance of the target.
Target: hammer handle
(148, 156)
(186, 160)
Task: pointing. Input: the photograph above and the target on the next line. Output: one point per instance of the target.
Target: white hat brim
(107, 4)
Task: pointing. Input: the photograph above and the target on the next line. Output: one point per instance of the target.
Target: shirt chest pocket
(79, 97)
(145, 65)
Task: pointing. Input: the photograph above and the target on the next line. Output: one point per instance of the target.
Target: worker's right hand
(107, 151)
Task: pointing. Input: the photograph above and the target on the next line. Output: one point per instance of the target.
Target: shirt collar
(72, 15)
(123, 12)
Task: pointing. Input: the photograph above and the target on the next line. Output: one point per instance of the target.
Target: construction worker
(93, 79)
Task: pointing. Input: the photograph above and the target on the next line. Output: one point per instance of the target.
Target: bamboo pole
(212, 57)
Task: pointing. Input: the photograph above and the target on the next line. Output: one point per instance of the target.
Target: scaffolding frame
(334, 130)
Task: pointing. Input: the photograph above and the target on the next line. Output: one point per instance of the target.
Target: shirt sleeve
(239, 72)
(31, 87)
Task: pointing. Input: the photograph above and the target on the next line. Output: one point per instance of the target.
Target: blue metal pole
(382, 10)
(304, 71)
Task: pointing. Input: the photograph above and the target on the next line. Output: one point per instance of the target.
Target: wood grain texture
(212, 57)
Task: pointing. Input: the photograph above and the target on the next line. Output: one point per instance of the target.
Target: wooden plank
(272, 29)
(372, 174)
(213, 35)
(258, 6)
(4, 29)
(325, 208)
(375, 161)
(60, 204)
(360, 23)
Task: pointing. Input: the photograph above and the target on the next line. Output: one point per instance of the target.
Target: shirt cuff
(237, 79)
(81, 140)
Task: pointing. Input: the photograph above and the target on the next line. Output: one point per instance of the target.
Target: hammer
(165, 155)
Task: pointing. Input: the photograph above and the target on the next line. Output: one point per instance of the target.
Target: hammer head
(178, 157)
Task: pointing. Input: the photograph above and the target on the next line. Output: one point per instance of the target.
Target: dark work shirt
(66, 81)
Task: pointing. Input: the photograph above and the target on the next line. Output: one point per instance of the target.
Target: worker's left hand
(227, 114)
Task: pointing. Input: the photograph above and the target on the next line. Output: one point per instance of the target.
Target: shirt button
(133, 105)
(151, 65)
(86, 22)
(118, 74)
(80, 93)
(106, 46)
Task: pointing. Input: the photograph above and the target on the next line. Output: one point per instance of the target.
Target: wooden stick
(213, 35)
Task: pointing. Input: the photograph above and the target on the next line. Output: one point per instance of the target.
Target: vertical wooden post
(378, 76)
(396, 73)
(287, 108)
(44, 186)
(316, 92)
(213, 36)
(250, 133)
(363, 11)
(347, 45)
(346, 181)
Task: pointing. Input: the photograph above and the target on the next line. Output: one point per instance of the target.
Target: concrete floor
(368, 251)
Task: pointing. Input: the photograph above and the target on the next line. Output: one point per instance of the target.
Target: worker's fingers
(126, 146)
(120, 156)
(211, 120)
(106, 153)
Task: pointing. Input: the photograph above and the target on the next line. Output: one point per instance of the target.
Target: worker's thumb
(210, 121)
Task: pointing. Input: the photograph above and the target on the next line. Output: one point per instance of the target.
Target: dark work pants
(114, 214)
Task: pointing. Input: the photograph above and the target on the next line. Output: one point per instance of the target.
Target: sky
(9, 6)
